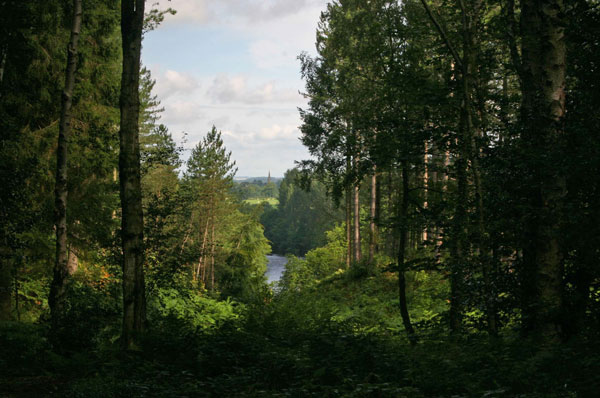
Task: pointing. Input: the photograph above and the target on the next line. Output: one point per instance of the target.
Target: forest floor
(301, 345)
(327, 364)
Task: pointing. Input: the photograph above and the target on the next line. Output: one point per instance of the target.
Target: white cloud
(277, 132)
(178, 112)
(225, 89)
(235, 89)
(188, 11)
(268, 54)
(255, 109)
(232, 11)
(173, 82)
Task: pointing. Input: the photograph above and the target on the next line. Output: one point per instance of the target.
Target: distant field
(256, 201)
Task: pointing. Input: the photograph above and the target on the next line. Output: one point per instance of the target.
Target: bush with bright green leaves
(318, 264)
(191, 310)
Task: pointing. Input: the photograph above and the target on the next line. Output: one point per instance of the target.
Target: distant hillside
(263, 180)
(257, 188)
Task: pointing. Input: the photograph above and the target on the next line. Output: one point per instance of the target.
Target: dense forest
(442, 239)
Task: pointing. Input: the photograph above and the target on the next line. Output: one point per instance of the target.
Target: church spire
(269, 177)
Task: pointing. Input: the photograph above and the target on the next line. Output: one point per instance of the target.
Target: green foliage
(273, 202)
(92, 316)
(319, 263)
(382, 91)
(257, 189)
(191, 310)
(299, 222)
(242, 274)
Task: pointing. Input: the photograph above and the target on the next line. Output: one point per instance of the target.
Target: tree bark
(410, 331)
(357, 250)
(372, 220)
(470, 20)
(543, 112)
(512, 41)
(425, 235)
(134, 303)
(3, 56)
(58, 286)
(348, 214)
(6, 278)
(212, 256)
(460, 244)
(201, 260)
(348, 227)
(73, 262)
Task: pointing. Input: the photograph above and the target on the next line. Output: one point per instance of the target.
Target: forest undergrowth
(323, 340)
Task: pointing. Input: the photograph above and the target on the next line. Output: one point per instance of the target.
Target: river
(275, 267)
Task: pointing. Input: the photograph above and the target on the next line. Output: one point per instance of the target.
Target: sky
(233, 64)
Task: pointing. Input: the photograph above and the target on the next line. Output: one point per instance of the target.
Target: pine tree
(208, 180)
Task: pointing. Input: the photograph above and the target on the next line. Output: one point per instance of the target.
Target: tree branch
(443, 35)
(512, 41)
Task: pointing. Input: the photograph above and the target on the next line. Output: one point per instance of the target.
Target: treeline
(257, 189)
(463, 139)
(97, 221)
(303, 216)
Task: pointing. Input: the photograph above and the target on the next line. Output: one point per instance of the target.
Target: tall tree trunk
(391, 246)
(378, 212)
(357, 249)
(6, 279)
(459, 246)
(212, 257)
(3, 56)
(470, 22)
(348, 218)
(410, 331)
(73, 262)
(372, 220)
(504, 110)
(201, 260)
(134, 303)
(443, 181)
(543, 111)
(58, 287)
(425, 235)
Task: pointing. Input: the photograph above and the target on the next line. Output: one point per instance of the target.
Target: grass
(257, 201)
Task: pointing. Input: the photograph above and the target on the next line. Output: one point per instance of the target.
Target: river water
(275, 267)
